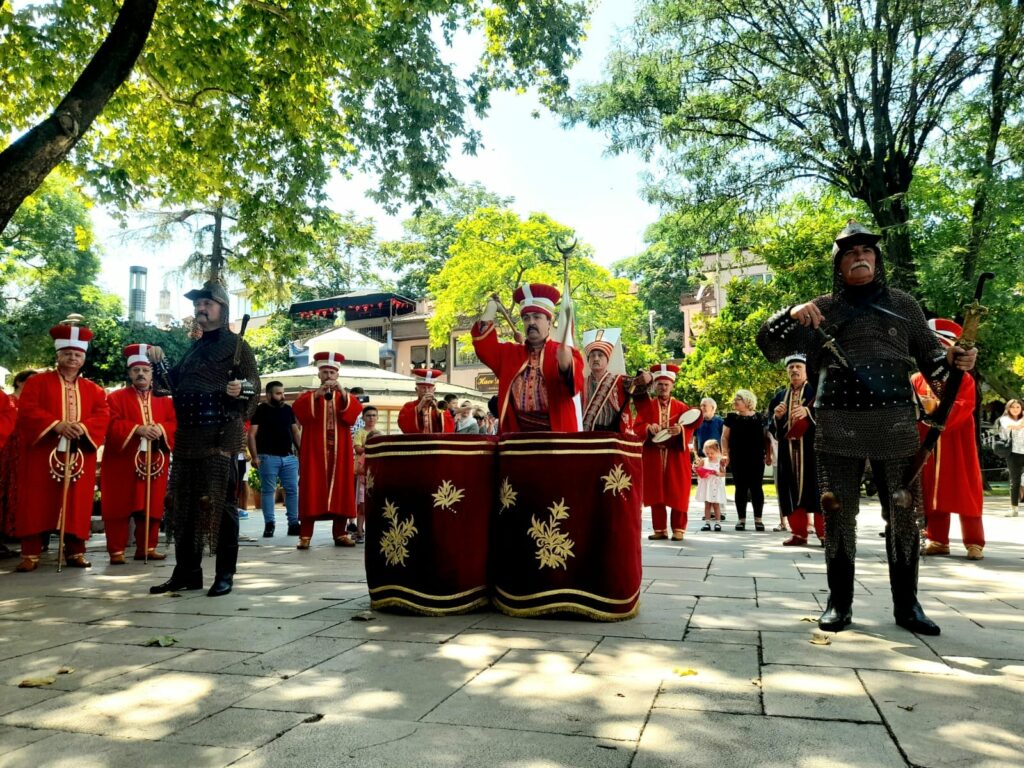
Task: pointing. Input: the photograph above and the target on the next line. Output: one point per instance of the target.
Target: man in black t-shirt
(272, 433)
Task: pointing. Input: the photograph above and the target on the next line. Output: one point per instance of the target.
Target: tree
(256, 104)
(747, 98)
(423, 250)
(50, 264)
(670, 266)
(495, 251)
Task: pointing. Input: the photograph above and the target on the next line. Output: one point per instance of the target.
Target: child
(711, 484)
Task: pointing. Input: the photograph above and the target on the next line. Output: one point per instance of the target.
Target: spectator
(747, 449)
(369, 429)
(465, 420)
(274, 437)
(711, 484)
(1011, 427)
(710, 428)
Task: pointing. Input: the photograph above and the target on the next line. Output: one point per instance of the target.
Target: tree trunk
(27, 162)
(893, 217)
(217, 249)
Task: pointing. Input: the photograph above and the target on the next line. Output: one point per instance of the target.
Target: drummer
(667, 425)
(605, 406)
(426, 413)
(537, 379)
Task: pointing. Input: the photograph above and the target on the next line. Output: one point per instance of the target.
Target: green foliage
(495, 251)
(423, 249)
(105, 361)
(269, 343)
(49, 265)
(741, 99)
(253, 106)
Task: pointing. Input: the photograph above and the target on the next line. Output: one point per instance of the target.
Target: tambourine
(688, 418)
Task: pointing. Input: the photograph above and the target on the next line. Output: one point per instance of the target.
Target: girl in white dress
(711, 484)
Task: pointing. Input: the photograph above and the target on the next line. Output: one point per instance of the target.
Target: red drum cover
(566, 525)
(428, 508)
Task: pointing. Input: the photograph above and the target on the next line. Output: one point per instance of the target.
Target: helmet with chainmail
(855, 233)
(213, 290)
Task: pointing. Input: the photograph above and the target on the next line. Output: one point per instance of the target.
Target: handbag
(1001, 446)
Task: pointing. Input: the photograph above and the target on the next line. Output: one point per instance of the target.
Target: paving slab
(527, 640)
(719, 586)
(782, 614)
(12, 739)
(90, 663)
(202, 660)
(253, 635)
(145, 704)
(394, 626)
(155, 620)
(20, 637)
(852, 649)
(764, 742)
(351, 741)
(380, 680)
(942, 721)
(537, 691)
(14, 699)
(291, 658)
(76, 750)
(816, 693)
(234, 727)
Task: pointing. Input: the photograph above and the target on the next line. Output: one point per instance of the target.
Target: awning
(356, 305)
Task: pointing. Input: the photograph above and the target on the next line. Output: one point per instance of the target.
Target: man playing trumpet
(425, 413)
(538, 378)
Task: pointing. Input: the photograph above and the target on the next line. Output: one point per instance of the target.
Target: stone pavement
(717, 669)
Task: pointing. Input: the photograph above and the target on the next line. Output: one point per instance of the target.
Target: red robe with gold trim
(410, 422)
(42, 404)
(611, 393)
(326, 468)
(952, 476)
(122, 490)
(667, 464)
(507, 360)
(8, 418)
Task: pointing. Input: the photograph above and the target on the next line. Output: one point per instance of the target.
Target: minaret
(137, 277)
(163, 315)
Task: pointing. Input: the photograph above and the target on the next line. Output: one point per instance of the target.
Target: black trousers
(1015, 463)
(748, 481)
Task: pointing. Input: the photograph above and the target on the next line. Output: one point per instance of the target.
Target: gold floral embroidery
(448, 495)
(393, 542)
(618, 480)
(369, 481)
(553, 545)
(507, 496)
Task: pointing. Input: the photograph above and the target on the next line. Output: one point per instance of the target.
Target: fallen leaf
(808, 618)
(820, 638)
(163, 641)
(364, 616)
(65, 670)
(908, 707)
(37, 682)
(684, 671)
(174, 594)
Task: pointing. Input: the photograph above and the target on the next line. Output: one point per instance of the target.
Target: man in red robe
(8, 418)
(666, 462)
(62, 421)
(326, 463)
(141, 434)
(425, 413)
(538, 379)
(605, 407)
(952, 476)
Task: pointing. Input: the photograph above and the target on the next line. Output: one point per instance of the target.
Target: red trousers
(338, 527)
(659, 516)
(32, 546)
(971, 529)
(798, 523)
(117, 534)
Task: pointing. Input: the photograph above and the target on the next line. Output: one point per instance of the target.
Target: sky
(526, 155)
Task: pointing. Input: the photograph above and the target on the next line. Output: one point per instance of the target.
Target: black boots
(838, 613)
(221, 585)
(268, 530)
(903, 581)
(294, 529)
(180, 582)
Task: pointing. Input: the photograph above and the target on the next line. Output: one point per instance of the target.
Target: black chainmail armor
(204, 469)
(867, 413)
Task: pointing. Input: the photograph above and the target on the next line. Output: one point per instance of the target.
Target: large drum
(566, 525)
(428, 507)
